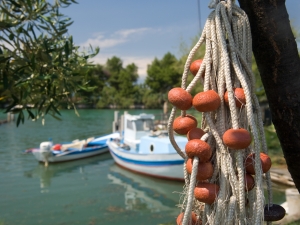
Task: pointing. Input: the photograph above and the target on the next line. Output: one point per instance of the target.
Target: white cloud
(103, 40)
(128, 32)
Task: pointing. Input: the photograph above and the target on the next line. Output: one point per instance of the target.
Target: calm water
(86, 192)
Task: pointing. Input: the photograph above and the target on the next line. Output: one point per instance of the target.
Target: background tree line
(116, 86)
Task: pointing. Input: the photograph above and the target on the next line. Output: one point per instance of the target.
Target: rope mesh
(226, 65)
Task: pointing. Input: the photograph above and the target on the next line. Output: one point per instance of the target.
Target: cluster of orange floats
(234, 139)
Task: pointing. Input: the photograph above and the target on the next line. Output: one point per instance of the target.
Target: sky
(138, 31)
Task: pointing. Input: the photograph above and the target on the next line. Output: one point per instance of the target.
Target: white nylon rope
(171, 133)
(190, 199)
(188, 210)
(226, 64)
(233, 112)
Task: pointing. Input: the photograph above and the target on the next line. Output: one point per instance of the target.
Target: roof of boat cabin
(140, 116)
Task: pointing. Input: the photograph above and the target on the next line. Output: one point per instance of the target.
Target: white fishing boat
(77, 149)
(143, 149)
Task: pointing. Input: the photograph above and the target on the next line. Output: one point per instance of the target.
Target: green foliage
(114, 66)
(162, 76)
(117, 86)
(273, 144)
(165, 74)
(120, 87)
(296, 33)
(122, 91)
(96, 78)
(297, 222)
(139, 92)
(152, 100)
(39, 64)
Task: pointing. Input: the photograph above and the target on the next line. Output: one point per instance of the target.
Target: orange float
(249, 182)
(183, 124)
(206, 192)
(266, 163)
(204, 172)
(192, 222)
(240, 98)
(195, 133)
(195, 66)
(206, 101)
(237, 138)
(180, 98)
(198, 148)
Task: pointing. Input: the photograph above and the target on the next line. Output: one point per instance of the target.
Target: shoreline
(281, 175)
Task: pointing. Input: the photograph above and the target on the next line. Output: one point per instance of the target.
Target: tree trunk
(278, 62)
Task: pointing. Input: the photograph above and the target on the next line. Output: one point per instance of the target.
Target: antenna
(199, 15)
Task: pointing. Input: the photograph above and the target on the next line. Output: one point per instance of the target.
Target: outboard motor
(45, 149)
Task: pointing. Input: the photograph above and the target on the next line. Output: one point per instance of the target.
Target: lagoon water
(90, 191)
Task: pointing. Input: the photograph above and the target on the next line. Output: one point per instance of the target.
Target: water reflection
(143, 193)
(278, 192)
(46, 174)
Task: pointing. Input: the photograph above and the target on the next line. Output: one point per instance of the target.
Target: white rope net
(226, 67)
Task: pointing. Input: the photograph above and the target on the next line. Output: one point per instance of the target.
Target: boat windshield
(144, 125)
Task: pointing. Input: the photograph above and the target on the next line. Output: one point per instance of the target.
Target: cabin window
(129, 125)
(144, 125)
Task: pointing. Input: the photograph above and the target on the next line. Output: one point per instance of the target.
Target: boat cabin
(137, 126)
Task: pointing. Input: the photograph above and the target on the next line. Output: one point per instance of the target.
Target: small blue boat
(143, 149)
(78, 149)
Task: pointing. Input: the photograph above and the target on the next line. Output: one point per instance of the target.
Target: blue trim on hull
(86, 150)
(149, 163)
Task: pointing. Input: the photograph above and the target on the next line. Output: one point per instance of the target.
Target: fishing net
(226, 165)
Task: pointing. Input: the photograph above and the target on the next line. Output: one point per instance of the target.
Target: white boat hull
(41, 157)
(166, 166)
(97, 146)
